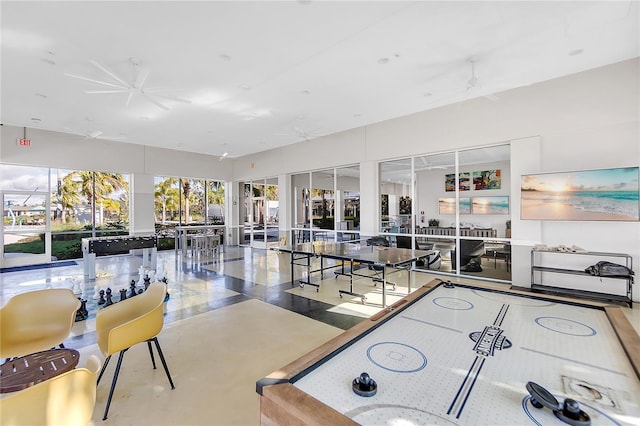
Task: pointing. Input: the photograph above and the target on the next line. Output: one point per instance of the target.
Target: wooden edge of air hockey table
(282, 403)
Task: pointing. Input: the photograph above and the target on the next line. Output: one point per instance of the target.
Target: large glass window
(25, 201)
(347, 202)
(183, 201)
(323, 204)
(300, 186)
(71, 205)
(167, 200)
(396, 205)
(457, 204)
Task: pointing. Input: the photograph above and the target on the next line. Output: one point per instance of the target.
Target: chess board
(463, 355)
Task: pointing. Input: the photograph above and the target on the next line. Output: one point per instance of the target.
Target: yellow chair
(65, 400)
(127, 323)
(36, 321)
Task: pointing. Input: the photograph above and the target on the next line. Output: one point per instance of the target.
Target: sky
(619, 179)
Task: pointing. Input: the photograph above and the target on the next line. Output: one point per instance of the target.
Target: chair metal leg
(104, 367)
(164, 363)
(153, 360)
(113, 383)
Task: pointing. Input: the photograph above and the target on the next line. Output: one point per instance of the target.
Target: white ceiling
(259, 75)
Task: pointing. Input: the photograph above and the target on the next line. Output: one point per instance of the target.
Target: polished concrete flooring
(230, 320)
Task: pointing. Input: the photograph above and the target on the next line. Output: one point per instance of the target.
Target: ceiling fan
(428, 165)
(303, 131)
(120, 85)
(93, 134)
(473, 81)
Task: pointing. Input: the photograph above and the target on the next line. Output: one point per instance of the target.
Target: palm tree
(79, 184)
(215, 195)
(325, 208)
(69, 195)
(166, 194)
(97, 187)
(186, 190)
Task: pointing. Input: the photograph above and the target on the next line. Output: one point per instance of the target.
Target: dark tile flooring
(124, 268)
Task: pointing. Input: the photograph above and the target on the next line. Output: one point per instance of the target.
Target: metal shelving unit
(537, 285)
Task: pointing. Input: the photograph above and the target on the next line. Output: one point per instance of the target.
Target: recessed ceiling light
(576, 52)
(300, 117)
(225, 57)
(210, 131)
(48, 61)
(245, 87)
(40, 95)
(357, 115)
(35, 120)
(383, 61)
(305, 92)
(428, 94)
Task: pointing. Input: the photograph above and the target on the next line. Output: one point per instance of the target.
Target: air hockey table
(464, 355)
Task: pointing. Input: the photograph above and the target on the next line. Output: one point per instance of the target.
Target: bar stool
(213, 243)
(199, 245)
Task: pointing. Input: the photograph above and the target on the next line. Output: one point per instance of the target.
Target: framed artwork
(448, 206)
(405, 205)
(384, 204)
(487, 179)
(604, 194)
(464, 181)
(490, 205)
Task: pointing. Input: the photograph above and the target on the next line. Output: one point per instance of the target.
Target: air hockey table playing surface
(464, 355)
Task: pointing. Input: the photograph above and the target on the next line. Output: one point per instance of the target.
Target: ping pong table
(352, 252)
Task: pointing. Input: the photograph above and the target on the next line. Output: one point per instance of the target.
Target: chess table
(463, 355)
(22, 372)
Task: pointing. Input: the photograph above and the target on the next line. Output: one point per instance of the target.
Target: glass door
(26, 229)
(258, 228)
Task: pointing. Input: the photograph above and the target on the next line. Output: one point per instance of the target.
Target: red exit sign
(24, 142)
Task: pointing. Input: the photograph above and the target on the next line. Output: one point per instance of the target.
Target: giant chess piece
(96, 294)
(109, 300)
(166, 283)
(75, 286)
(101, 301)
(132, 289)
(141, 272)
(147, 282)
(123, 294)
(82, 313)
(160, 274)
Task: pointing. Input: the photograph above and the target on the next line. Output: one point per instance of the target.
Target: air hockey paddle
(364, 385)
(569, 412)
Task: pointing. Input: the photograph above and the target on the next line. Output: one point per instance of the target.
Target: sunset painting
(490, 205)
(607, 194)
(448, 206)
